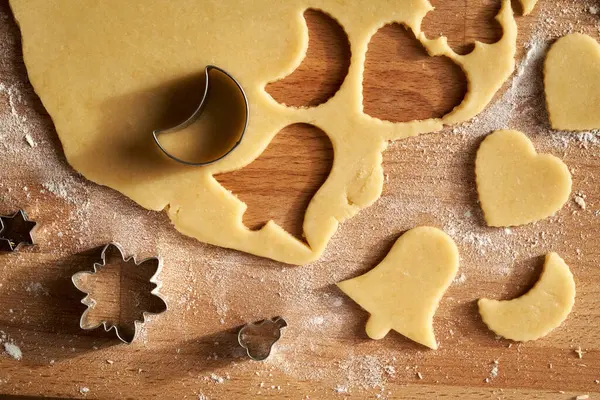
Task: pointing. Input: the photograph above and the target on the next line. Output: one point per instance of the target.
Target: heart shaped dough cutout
(572, 83)
(539, 311)
(403, 292)
(516, 185)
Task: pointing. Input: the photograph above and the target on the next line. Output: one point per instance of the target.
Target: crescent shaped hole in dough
(516, 185)
(539, 311)
(572, 83)
(106, 74)
(403, 292)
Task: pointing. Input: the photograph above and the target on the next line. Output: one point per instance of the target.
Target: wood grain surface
(190, 352)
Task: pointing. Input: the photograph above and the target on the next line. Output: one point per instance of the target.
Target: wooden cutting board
(190, 352)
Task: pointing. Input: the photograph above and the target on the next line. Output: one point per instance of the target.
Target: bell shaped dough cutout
(539, 311)
(516, 185)
(572, 83)
(109, 74)
(403, 292)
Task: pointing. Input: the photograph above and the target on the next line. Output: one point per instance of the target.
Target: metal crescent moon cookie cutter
(198, 113)
(91, 303)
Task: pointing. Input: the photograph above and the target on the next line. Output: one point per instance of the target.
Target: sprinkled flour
(13, 350)
(228, 288)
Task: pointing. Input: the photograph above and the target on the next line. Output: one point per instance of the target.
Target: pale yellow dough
(403, 292)
(516, 185)
(100, 69)
(528, 6)
(539, 311)
(572, 83)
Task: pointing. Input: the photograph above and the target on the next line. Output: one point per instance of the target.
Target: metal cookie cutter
(199, 111)
(258, 338)
(123, 332)
(16, 230)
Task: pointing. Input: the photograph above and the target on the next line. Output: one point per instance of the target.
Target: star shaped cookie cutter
(258, 338)
(198, 113)
(16, 230)
(91, 303)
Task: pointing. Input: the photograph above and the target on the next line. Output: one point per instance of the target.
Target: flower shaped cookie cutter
(151, 266)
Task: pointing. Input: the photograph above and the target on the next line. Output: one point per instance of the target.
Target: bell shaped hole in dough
(325, 65)
(279, 185)
(528, 6)
(403, 292)
(516, 185)
(539, 311)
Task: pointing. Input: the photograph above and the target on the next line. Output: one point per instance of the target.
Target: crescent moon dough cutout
(516, 185)
(403, 292)
(106, 74)
(539, 311)
(572, 83)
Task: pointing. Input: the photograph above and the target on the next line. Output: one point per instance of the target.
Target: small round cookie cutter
(198, 113)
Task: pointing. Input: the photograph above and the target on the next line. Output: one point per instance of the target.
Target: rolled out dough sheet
(104, 71)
